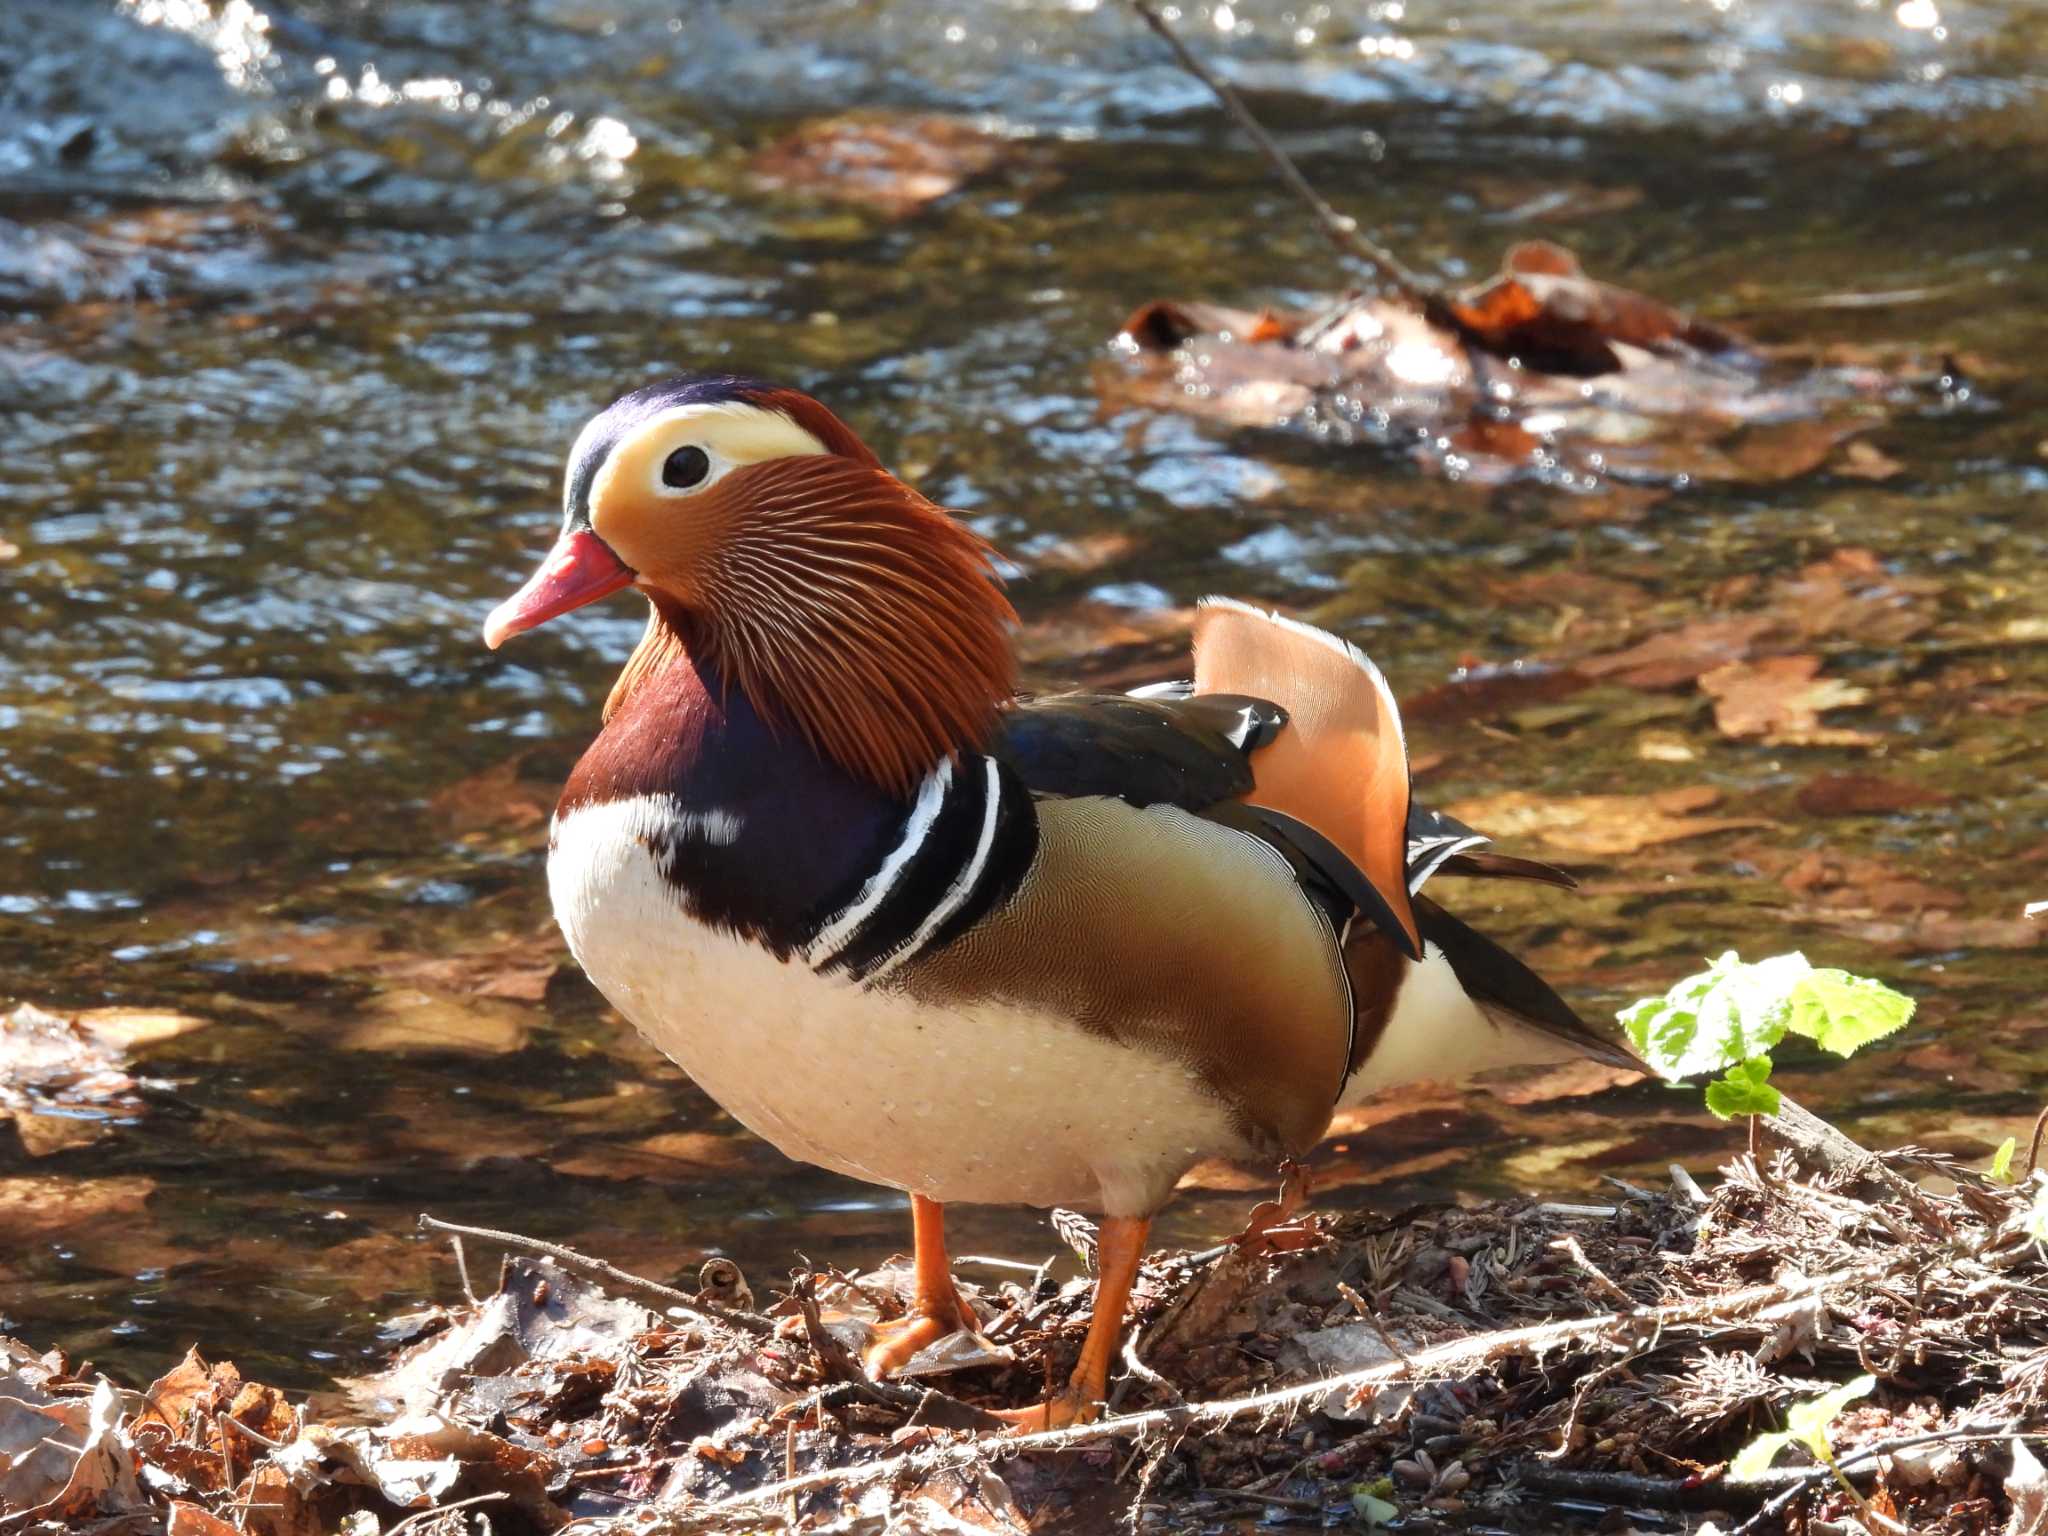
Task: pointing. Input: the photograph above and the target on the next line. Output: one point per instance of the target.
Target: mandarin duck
(912, 927)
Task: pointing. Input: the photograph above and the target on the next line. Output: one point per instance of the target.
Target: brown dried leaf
(895, 163)
(1850, 595)
(1488, 693)
(1864, 794)
(1600, 824)
(1862, 461)
(1780, 700)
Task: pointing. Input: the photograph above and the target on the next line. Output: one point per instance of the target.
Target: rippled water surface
(301, 305)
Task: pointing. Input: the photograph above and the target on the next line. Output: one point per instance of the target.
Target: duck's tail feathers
(1341, 765)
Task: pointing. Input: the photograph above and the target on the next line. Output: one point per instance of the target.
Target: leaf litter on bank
(1485, 1362)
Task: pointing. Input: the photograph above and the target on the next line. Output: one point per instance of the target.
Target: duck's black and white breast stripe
(967, 842)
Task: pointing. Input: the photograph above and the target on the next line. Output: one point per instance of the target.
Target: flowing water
(301, 305)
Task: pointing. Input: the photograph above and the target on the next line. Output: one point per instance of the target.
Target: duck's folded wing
(1190, 751)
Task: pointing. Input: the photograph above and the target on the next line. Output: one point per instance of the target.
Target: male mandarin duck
(917, 929)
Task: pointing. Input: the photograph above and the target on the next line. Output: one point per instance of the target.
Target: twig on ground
(1342, 231)
(1371, 1314)
(1569, 1246)
(441, 1509)
(1141, 1371)
(703, 1311)
(462, 1269)
(2034, 1145)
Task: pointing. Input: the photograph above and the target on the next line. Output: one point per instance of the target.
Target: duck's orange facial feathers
(776, 549)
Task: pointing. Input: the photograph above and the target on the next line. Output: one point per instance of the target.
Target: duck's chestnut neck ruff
(779, 555)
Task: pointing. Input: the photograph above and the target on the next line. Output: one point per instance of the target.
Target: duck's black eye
(684, 468)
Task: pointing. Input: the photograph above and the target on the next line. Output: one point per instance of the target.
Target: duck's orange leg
(1119, 1248)
(935, 1305)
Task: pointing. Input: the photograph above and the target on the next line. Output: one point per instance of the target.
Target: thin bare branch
(1342, 230)
(702, 1311)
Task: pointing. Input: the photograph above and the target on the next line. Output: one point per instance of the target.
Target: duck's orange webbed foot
(935, 1305)
(1118, 1251)
(931, 1318)
(1057, 1412)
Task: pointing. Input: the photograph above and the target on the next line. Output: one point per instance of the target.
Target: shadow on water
(300, 307)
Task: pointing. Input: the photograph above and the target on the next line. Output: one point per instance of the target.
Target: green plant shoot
(1806, 1422)
(1727, 1018)
(2000, 1171)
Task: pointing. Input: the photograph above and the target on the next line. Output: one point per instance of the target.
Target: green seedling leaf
(1744, 1089)
(1729, 1013)
(1806, 1423)
(2000, 1171)
(1844, 1013)
(1755, 1458)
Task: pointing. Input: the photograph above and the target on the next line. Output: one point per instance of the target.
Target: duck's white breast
(989, 1103)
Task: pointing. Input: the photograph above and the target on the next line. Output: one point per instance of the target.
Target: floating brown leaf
(1780, 700)
(1849, 595)
(896, 163)
(1600, 824)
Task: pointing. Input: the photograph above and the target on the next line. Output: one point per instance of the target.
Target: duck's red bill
(578, 570)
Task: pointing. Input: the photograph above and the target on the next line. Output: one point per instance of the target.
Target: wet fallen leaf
(1565, 1080)
(1545, 311)
(407, 1020)
(1864, 794)
(1665, 747)
(1780, 699)
(1488, 693)
(674, 1155)
(1863, 461)
(1833, 879)
(498, 798)
(896, 163)
(1849, 595)
(1679, 656)
(63, 1080)
(1600, 824)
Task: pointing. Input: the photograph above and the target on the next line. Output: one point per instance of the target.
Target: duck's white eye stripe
(729, 433)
